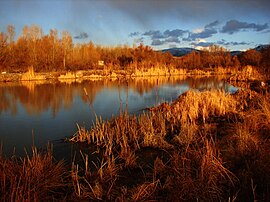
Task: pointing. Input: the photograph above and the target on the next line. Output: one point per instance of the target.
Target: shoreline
(246, 74)
(94, 74)
(199, 140)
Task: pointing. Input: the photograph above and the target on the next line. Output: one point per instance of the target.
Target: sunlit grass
(204, 146)
(245, 73)
(30, 75)
(36, 177)
(205, 137)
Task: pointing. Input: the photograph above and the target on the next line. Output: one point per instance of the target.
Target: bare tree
(11, 33)
(67, 45)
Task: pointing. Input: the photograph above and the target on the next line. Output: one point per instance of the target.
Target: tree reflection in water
(53, 108)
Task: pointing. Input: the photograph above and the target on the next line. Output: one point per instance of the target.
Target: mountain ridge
(178, 52)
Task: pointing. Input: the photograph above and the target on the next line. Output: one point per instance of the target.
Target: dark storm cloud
(145, 12)
(82, 35)
(157, 42)
(232, 43)
(172, 40)
(233, 26)
(154, 34)
(173, 36)
(212, 24)
(222, 42)
(203, 44)
(175, 33)
(239, 43)
(206, 33)
(160, 38)
(133, 34)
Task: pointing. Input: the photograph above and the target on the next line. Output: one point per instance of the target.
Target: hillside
(177, 52)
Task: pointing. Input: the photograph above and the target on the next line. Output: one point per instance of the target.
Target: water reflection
(50, 110)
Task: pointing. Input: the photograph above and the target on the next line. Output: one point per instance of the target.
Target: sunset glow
(236, 25)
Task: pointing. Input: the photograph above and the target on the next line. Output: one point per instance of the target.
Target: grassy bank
(247, 73)
(205, 146)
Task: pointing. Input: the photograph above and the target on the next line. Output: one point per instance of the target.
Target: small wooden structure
(100, 63)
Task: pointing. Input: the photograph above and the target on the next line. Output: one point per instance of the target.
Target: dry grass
(199, 166)
(94, 182)
(205, 146)
(197, 174)
(150, 129)
(265, 111)
(30, 75)
(247, 146)
(145, 191)
(247, 73)
(33, 178)
(184, 131)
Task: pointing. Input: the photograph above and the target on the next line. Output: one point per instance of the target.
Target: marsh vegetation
(206, 146)
(34, 51)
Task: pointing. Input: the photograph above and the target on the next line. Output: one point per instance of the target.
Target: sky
(161, 24)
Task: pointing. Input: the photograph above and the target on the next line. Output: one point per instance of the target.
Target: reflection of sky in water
(107, 102)
(17, 129)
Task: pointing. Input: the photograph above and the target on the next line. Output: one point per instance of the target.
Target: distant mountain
(258, 48)
(233, 53)
(261, 47)
(177, 52)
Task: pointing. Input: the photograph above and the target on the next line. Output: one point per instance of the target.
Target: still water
(38, 112)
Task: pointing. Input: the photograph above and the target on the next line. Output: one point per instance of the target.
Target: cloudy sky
(234, 24)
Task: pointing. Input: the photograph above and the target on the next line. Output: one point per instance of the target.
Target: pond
(38, 112)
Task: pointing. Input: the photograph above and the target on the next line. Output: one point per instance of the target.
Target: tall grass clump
(194, 105)
(31, 75)
(247, 73)
(33, 178)
(179, 137)
(94, 182)
(194, 110)
(197, 174)
(246, 147)
(265, 111)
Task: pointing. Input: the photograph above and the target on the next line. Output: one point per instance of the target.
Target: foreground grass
(205, 146)
(36, 177)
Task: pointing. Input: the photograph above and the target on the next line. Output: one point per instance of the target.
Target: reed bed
(205, 146)
(30, 75)
(36, 177)
(246, 73)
